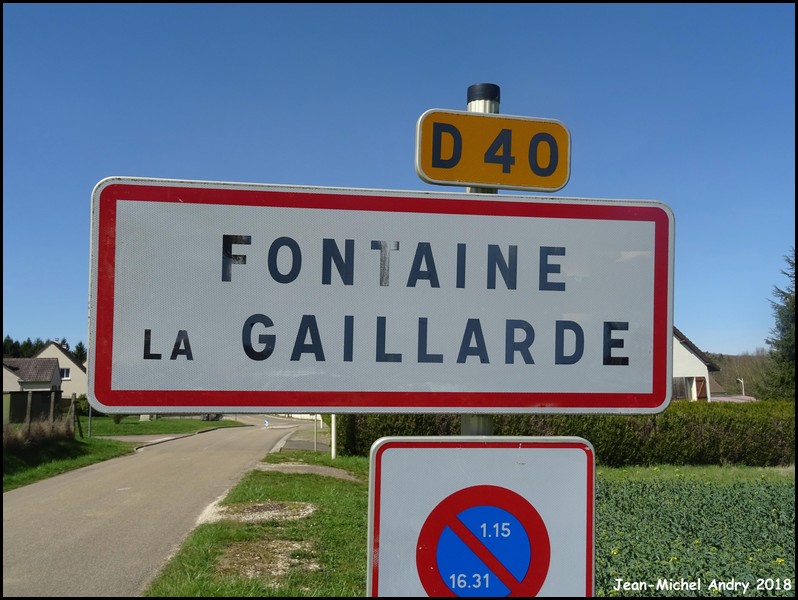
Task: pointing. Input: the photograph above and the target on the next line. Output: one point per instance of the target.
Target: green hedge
(759, 434)
(357, 433)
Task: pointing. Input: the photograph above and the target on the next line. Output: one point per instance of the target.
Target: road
(108, 529)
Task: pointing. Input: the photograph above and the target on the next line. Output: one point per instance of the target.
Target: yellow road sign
(490, 150)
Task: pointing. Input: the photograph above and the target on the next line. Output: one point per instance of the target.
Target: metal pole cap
(483, 91)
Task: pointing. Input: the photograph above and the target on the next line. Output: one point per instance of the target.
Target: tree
(780, 381)
(29, 348)
(10, 347)
(80, 352)
(26, 349)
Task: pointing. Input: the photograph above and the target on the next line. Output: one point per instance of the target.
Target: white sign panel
(484, 517)
(234, 297)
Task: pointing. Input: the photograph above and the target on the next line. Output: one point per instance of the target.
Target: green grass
(52, 458)
(356, 465)
(131, 425)
(708, 474)
(324, 553)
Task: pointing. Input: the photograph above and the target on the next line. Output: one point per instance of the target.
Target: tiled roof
(32, 369)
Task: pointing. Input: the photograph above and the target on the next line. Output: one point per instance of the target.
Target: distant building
(692, 379)
(74, 379)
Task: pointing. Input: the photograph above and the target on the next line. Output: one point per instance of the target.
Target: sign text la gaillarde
(250, 298)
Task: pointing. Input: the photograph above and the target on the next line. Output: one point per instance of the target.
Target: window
(64, 374)
(679, 388)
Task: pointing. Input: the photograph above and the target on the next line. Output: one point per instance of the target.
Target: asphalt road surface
(108, 529)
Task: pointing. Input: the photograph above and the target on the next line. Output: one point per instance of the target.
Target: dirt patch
(265, 560)
(298, 467)
(262, 511)
(250, 512)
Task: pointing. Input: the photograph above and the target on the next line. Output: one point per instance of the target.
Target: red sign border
(482, 495)
(110, 192)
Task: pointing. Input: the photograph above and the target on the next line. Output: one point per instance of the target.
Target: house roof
(694, 349)
(32, 369)
(715, 387)
(67, 354)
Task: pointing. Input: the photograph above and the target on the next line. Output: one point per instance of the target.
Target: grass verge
(709, 523)
(131, 425)
(50, 458)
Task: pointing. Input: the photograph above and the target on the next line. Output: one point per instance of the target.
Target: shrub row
(759, 434)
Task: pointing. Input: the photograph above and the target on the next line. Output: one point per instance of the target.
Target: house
(31, 374)
(74, 379)
(692, 379)
(25, 378)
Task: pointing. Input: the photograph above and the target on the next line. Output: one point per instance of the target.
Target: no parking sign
(481, 516)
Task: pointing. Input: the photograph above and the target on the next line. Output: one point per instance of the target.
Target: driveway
(108, 529)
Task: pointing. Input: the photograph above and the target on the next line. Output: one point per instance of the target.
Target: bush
(759, 434)
(359, 432)
(82, 405)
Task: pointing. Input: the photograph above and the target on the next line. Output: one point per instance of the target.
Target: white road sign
(226, 297)
(484, 517)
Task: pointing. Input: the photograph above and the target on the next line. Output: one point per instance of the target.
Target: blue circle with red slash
(483, 541)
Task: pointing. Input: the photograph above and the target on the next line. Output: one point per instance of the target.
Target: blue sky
(689, 104)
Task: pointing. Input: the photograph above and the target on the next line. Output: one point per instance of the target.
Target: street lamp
(742, 384)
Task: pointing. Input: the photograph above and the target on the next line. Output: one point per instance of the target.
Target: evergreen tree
(26, 349)
(780, 372)
(30, 348)
(38, 345)
(80, 352)
(9, 348)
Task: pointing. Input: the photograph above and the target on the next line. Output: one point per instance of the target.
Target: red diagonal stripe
(486, 556)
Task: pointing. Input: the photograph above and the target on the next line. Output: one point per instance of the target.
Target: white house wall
(687, 364)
